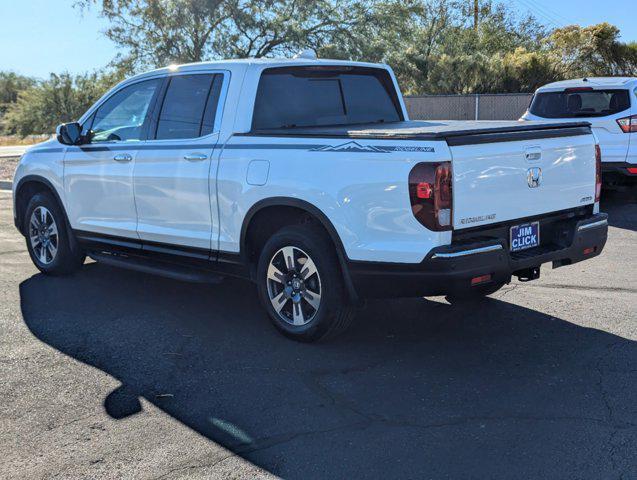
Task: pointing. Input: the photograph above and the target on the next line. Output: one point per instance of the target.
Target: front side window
(572, 103)
(189, 107)
(121, 118)
(292, 97)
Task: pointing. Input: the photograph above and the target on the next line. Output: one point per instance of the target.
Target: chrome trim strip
(464, 253)
(586, 226)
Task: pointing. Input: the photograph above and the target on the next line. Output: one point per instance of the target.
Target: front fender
(43, 164)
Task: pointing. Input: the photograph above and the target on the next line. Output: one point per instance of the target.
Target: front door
(98, 176)
(175, 199)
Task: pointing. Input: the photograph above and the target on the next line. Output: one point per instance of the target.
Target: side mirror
(69, 133)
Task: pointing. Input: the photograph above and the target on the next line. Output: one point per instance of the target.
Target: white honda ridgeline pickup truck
(307, 177)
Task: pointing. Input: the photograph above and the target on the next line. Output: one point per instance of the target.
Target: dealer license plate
(525, 236)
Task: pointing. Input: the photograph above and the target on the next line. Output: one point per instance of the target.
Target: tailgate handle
(533, 154)
(195, 157)
(123, 157)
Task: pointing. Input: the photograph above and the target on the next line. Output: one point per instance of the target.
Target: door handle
(193, 157)
(123, 157)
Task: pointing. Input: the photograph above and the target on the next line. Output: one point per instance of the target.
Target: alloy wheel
(43, 235)
(294, 286)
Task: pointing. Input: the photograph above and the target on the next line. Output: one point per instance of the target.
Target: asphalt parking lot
(111, 374)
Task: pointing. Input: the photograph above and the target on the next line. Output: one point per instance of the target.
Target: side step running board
(162, 269)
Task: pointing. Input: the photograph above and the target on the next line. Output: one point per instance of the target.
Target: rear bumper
(450, 269)
(614, 172)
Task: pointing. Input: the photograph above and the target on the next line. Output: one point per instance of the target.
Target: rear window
(580, 103)
(319, 96)
(189, 107)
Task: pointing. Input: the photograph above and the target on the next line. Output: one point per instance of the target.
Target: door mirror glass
(69, 133)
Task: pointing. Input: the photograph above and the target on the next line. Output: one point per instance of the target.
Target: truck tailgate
(507, 180)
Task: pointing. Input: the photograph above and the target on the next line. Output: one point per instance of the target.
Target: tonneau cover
(431, 130)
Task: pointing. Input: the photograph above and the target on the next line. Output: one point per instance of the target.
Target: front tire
(47, 237)
(301, 286)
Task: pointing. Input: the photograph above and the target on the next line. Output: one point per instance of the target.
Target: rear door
(498, 182)
(175, 199)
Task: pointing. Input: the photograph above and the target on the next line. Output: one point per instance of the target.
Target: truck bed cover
(454, 132)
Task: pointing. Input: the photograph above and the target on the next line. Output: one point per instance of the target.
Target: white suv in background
(610, 105)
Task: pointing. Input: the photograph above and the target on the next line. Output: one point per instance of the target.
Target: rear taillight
(480, 280)
(628, 124)
(430, 195)
(632, 170)
(598, 173)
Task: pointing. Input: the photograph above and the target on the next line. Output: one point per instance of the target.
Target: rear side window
(580, 103)
(320, 96)
(189, 106)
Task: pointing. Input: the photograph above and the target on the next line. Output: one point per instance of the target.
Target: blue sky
(42, 36)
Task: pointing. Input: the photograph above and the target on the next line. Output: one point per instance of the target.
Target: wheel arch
(28, 186)
(309, 210)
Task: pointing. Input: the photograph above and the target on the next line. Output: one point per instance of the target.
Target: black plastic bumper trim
(619, 168)
(440, 275)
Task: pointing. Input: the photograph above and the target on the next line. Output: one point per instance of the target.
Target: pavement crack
(477, 419)
(62, 425)
(508, 289)
(584, 287)
(170, 473)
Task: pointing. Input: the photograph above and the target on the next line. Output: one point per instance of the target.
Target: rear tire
(475, 294)
(301, 286)
(47, 237)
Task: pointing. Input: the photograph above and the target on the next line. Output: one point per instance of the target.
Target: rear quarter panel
(361, 187)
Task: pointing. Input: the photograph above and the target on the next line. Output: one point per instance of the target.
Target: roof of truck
(593, 82)
(261, 62)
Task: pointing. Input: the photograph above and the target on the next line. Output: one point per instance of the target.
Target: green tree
(159, 32)
(404, 34)
(11, 84)
(283, 27)
(433, 47)
(431, 44)
(155, 33)
(60, 98)
(592, 51)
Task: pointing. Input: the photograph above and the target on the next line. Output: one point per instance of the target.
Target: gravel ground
(7, 168)
(115, 374)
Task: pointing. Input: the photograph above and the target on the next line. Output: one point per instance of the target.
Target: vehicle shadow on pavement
(416, 388)
(621, 207)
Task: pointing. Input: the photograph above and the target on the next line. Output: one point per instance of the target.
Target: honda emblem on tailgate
(534, 177)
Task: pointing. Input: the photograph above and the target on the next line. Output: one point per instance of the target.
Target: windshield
(292, 97)
(580, 103)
